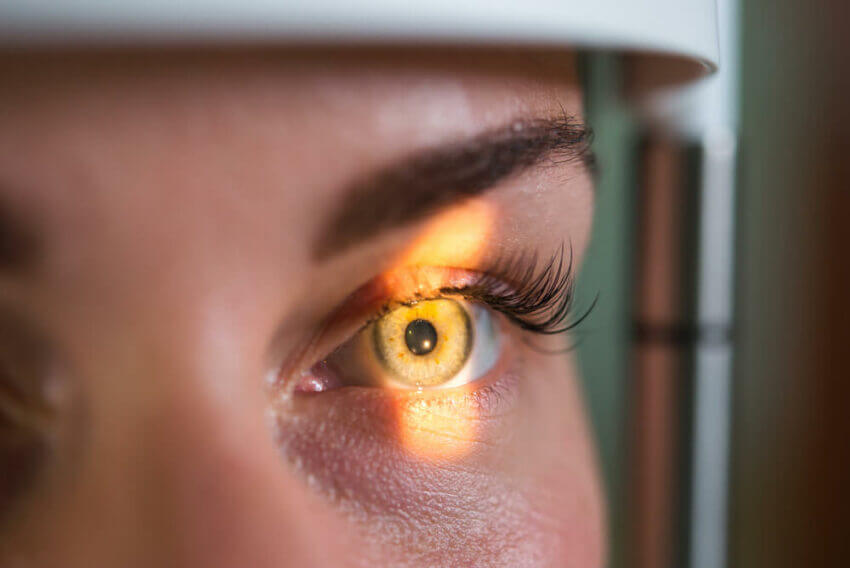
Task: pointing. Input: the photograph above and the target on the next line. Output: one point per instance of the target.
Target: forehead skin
(177, 197)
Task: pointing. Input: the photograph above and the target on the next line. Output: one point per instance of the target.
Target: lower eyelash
(538, 300)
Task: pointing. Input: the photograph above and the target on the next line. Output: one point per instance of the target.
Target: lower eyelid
(431, 425)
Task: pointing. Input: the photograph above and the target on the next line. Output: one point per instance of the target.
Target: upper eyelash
(537, 300)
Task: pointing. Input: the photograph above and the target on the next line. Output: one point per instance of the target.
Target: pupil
(420, 336)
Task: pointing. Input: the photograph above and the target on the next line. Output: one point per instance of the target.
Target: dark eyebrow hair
(430, 180)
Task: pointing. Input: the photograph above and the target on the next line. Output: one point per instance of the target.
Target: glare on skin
(437, 427)
(455, 237)
(178, 197)
(442, 426)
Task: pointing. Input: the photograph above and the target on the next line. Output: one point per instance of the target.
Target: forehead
(370, 104)
(194, 155)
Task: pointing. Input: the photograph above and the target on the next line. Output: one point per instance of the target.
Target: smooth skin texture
(177, 197)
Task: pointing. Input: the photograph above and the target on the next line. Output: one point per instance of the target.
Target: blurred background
(788, 490)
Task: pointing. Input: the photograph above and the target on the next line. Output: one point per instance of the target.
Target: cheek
(565, 489)
(522, 493)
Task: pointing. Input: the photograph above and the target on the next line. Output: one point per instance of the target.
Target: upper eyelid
(537, 299)
(390, 305)
(542, 300)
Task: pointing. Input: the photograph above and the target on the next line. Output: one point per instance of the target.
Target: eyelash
(538, 300)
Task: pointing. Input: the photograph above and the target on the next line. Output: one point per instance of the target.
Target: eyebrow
(425, 182)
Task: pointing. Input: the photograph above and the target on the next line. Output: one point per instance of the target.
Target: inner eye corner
(442, 345)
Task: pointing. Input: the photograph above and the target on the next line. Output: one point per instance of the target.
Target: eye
(427, 344)
(442, 342)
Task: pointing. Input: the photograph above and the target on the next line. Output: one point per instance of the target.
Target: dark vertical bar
(664, 338)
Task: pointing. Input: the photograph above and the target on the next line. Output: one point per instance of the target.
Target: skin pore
(176, 200)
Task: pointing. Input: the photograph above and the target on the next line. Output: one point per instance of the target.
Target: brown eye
(29, 402)
(424, 344)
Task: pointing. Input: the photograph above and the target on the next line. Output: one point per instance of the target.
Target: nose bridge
(196, 459)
